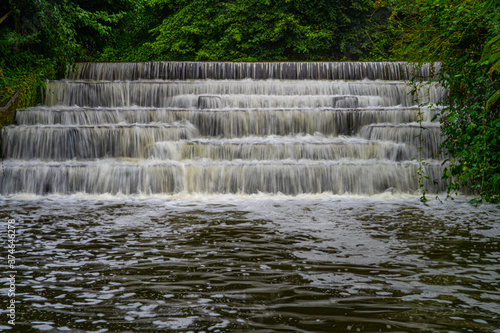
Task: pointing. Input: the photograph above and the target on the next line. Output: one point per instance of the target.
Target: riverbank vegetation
(39, 38)
(465, 37)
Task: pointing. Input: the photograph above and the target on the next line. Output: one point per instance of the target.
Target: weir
(171, 127)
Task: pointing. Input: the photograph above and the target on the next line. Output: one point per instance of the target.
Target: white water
(169, 128)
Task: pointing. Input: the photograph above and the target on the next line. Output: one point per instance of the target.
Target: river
(312, 263)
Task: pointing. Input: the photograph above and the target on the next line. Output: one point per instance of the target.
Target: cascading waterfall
(170, 127)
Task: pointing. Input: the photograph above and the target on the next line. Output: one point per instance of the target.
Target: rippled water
(254, 263)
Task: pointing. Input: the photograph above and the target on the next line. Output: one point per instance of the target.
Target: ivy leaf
(446, 174)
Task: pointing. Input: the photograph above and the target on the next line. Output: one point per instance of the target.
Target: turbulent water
(236, 197)
(317, 263)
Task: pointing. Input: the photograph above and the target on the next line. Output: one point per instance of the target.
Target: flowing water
(219, 128)
(221, 197)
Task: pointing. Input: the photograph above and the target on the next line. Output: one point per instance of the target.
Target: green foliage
(463, 35)
(39, 38)
(28, 78)
(126, 40)
(27, 83)
(39, 32)
(380, 34)
(258, 30)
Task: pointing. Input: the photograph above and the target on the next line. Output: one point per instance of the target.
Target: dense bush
(260, 30)
(464, 35)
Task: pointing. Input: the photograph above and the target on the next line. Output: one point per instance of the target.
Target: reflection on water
(263, 264)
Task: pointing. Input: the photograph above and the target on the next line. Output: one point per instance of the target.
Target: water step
(94, 116)
(279, 148)
(209, 102)
(347, 102)
(242, 70)
(62, 142)
(234, 123)
(276, 101)
(427, 135)
(163, 93)
(287, 177)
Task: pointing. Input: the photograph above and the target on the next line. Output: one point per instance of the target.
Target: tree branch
(5, 16)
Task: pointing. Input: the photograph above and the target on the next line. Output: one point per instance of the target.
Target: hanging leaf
(493, 99)
(446, 174)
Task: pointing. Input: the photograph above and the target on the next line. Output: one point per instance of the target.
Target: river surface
(233, 263)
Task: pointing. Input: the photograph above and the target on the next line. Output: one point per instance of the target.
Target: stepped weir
(171, 127)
